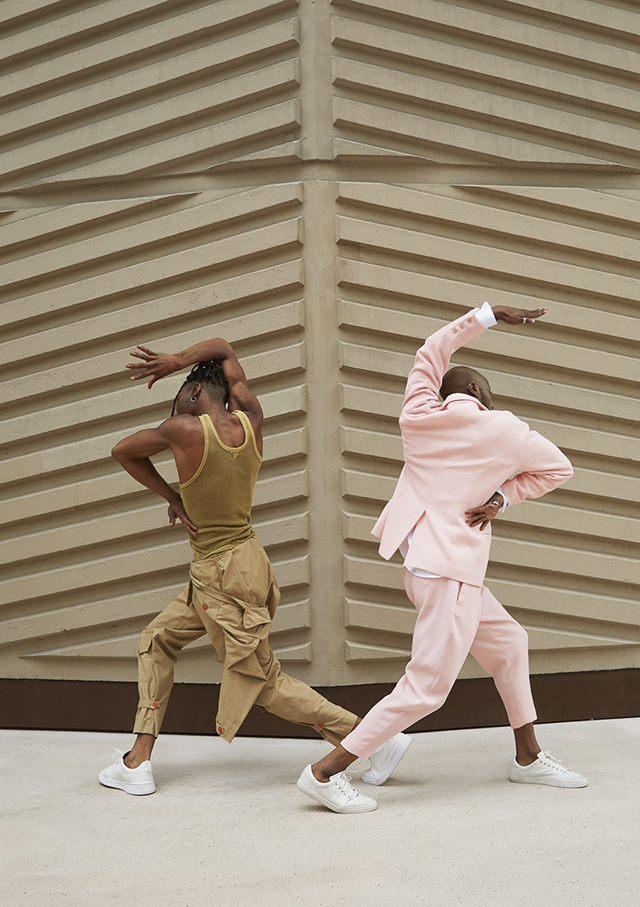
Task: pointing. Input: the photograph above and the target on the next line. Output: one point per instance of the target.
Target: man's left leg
(501, 647)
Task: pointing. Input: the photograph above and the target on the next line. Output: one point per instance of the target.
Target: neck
(211, 407)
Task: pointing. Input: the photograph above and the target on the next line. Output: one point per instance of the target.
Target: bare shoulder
(181, 427)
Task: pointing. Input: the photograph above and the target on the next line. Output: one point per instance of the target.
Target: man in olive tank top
(215, 436)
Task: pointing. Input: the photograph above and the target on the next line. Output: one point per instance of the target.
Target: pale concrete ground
(228, 826)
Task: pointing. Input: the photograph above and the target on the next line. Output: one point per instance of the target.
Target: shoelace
(118, 755)
(556, 762)
(343, 782)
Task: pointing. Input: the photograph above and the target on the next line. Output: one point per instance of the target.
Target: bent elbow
(567, 470)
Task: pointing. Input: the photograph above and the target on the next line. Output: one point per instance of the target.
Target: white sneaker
(546, 770)
(336, 793)
(132, 780)
(385, 759)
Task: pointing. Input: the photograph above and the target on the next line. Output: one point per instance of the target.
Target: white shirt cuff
(505, 501)
(485, 316)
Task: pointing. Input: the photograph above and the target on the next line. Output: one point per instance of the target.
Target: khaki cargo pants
(232, 598)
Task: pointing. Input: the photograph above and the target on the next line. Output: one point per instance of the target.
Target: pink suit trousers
(453, 619)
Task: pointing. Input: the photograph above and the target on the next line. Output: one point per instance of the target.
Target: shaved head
(463, 380)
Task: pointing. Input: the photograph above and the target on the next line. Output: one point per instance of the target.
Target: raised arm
(157, 365)
(432, 359)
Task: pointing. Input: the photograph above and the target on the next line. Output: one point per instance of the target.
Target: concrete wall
(323, 184)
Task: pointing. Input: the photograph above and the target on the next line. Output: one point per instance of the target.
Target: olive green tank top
(218, 496)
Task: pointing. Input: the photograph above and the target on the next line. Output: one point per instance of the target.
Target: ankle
(527, 757)
(134, 761)
(320, 774)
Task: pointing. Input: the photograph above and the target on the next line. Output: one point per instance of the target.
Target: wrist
(498, 312)
(181, 360)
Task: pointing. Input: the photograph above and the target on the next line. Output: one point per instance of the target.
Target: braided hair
(210, 373)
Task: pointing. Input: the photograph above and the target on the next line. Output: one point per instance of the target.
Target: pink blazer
(457, 454)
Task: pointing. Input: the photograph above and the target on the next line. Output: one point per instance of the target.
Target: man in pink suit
(464, 463)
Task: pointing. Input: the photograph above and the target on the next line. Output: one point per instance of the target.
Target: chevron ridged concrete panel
(85, 557)
(165, 88)
(476, 83)
(323, 184)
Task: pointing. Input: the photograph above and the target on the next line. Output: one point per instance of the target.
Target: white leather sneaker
(336, 793)
(132, 780)
(546, 770)
(385, 759)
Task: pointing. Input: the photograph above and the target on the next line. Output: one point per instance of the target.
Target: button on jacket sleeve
(422, 394)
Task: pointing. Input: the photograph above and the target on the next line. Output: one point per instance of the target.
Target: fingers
(142, 366)
(519, 316)
(531, 315)
(481, 516)
(477, 513)
(187, 522)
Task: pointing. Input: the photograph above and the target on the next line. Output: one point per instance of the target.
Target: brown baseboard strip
(76, 705)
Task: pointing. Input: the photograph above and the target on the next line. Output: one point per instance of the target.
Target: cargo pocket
(253, 617)
(147, 674)
(247, 577)
(244, 623)
(244, 627)
(148, 713)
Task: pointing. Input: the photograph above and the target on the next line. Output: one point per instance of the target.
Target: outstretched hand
(177, 512)
(517, 316)
(482, 516)
(155, 365)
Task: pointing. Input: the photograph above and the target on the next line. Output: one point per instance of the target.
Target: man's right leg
(160, 643)
(448, 613)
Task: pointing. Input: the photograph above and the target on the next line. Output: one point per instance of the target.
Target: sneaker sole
(394, 759)
(332, 806)
(139, 790)
(568, 785)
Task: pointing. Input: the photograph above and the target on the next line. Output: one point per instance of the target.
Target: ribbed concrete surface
(227, 825)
